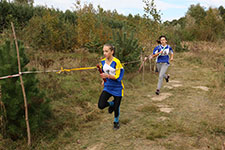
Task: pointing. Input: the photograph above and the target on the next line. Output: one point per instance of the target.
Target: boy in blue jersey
(113, 73)
(162, 52)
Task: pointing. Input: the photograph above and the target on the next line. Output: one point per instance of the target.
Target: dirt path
(182, 117)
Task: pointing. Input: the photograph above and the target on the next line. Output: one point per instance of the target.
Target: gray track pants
(162, 68)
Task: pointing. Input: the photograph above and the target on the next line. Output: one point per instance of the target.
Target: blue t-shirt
(164, 57)
(114, 87)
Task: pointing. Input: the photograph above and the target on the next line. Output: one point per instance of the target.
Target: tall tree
(152, 20)
(151, 11)
(30, 2)
(197, 12)
(222, 12)
(212, 26)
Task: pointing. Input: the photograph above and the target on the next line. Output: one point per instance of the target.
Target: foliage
(50, 33)
(94, 46)
(211, 27)
(222, 12)
(52, 29)
(197, 12)
(30, 2)
(175, 22)
(151, 11)
(85, 23)
(178, 46)
(127, 48)
(12, 96)
(69, 17)
(151, 21)
(10, 12)
(199, 24)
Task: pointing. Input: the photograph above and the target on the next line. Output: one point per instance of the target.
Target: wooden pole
(143, 73)
(150, 64)
(22, 85)
(141, 62)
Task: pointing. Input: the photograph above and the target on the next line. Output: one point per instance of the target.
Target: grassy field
(187, 115)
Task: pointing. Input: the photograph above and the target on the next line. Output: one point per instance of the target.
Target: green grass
(196, 121)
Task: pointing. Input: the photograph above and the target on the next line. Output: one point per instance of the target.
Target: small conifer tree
(127, 49)
(12, 97)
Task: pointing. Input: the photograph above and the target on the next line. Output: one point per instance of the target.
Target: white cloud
(60, 4)
(122, 6)
(164, 6)
(128, 4)
(132, 4)
(118, 4)
(170, 10)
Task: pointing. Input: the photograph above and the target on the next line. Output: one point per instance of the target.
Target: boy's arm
(171, 57)
(157, 54)
(171, 54)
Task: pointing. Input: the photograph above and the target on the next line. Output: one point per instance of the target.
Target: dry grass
(196, 122)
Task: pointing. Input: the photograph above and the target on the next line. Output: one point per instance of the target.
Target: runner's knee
(101, 106)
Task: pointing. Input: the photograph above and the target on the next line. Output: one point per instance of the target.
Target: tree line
(51, 29)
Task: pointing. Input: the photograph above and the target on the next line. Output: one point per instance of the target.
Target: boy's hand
(145, 58)
(102, 83)
(104, 75)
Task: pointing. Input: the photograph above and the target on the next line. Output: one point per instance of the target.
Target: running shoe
(167, 79)
(116, 125)
(157, 92)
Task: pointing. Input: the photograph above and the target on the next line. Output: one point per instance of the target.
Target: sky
(169, 9)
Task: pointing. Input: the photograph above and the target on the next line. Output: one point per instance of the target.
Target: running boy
(162, 53)
(113, 73)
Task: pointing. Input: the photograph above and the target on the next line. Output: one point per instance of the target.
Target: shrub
(12, 97)
(50, 33)
(127, 48)
(11, 12)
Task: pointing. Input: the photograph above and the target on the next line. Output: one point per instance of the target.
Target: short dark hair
(158, 41)
(111, 47)
(162, 37)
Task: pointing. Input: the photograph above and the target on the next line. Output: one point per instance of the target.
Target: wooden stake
(143, 62)
(143, 75)
(22, 85)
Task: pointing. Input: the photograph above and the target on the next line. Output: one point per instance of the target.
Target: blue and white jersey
(164, 57)
(114, 87)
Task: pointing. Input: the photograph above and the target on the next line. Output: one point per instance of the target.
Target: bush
(12, 97)
(127, 49)
(50, 33)
(11, 12)
(94, 46)
(178, 46)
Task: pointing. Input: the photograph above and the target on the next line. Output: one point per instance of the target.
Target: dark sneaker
(110, 109)
(167, 79)
(116, 125)
(157, 92)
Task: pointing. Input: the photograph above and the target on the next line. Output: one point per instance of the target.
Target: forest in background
(47, 29)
